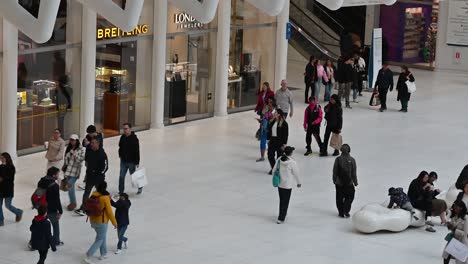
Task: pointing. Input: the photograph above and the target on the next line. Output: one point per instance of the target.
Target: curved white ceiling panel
(126, 19)
(203, 12)
(337, 4)
(39, 29)
(270, 7)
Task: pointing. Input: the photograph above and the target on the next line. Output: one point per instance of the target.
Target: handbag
(65, 185)
(336, 141)
(449, 237)
(276, 176)
(411, 86)
(139, 179)
(375, 100)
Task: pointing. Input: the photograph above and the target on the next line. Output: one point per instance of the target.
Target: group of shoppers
(317, 75)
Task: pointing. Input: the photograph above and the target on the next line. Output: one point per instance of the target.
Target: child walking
(41, 236)
(400, 198)
(122, 206)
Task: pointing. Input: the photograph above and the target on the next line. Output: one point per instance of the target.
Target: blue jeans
(100, 241)
(318, 85)
(8, 206)
(124, 167)
(71, 191)
(328, 88)
(121, 235)
(55, 227)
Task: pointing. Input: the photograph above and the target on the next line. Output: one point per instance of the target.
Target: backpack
(92, 206)
(345, 172)
(39, 196)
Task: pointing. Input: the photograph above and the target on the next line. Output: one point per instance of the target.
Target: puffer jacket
(344, 170)
(289, 173)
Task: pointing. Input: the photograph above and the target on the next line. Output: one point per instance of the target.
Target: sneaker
(19, 217)
(71, 207)
(103, 257)
(323, 154)
(341, 215)
(118, 251)
(279, 222)
(80, 212)
(140, 190)
(270, 173)
(308, 152)
(60, 244)
(87, 260)
(381, 110)
(429, 223)
(349, 107)
(260, 160)
(336, 153)
(126, 245)
(430, 229)
(347, 216)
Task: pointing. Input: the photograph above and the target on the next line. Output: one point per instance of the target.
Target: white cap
(74, 137)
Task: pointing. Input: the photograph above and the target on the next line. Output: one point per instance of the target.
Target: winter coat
(54, 205)
(313, 117)
(106, 208)
(41, 236)
(56, 149)
(121, 213)
(7, 176)
(289, 173)
(263, 98)
(309, 73)
(462, 178)
(129, 149)
(96, 165)
(340, 72)
(384, 80)
(74, 162)
(334, 117)
(416, 192)
(398, 197)
(402, 88)
(345, 169)
(282, 132)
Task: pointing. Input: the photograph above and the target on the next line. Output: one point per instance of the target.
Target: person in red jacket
(313, 116)
(263, 96)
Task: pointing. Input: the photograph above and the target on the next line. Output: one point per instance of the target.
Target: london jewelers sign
(186, 21)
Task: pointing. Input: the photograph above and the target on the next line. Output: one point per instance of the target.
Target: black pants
(315, 131)
(284, 197)
(90, 184)
(42, 256)
(423, 205)
(344, 198)
(326, 139)
(308, 86)
(383, 98)
(360, 83)
(274, 146)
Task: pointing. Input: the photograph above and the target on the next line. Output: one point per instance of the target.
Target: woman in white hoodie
(289, 177)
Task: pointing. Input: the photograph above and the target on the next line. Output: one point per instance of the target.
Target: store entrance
(189, 80)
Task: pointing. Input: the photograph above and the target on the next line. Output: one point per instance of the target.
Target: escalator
(310, 36)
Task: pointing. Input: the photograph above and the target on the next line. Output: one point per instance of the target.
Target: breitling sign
(115, 32)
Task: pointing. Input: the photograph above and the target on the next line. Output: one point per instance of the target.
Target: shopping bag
(336, 141)
(276, 176)
(375, 100)
(457, 250)
(139, 179)
(411, 86)
(65, 185)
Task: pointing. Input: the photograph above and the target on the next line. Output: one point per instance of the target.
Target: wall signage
(186, 21)
(115, 32)
(457, 24)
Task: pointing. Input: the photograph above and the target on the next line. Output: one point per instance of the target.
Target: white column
(9, 89)
(88, 63)
(158, 63)
(281, 65)
(372, 21)
(222, 57)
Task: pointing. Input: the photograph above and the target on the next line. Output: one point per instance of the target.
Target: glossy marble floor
(209, 201)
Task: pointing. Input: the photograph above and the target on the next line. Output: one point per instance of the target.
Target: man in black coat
(54, 205)
(96, 168)
(129, 153)
(309, 78)
(383, 84)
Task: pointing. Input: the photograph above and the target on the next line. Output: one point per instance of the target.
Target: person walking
(321, 78)
(309, 78)
(289, 177)
(420, 195)
(313, 116)
(7, 187)
(73, 162)
(345, 180)
(129, 153)
(383, 84)
(41, 237)
(278, 132)
(334, 118)
(284, 99)
(54, 205)
(99, 223)
(96, 168)
(91, 132)
(360, 68)
(55, 150)
(345, 76)
(330, 70)
(403, 94)
(267, 115)
(122, 206)
(263, 96)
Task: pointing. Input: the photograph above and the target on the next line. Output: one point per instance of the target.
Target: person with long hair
(73, 162)
(7, 186)
(420, 195)
(320, 78)
(278, 133)
(289, 177)
(403, 94)
(330, 71)
(456, 225)
(267, 114)
(263, 95)
(334, 117)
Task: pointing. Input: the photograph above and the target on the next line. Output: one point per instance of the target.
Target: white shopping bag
(139, 179)
(457, 249)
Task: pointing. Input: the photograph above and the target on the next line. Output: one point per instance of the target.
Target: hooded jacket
(334, 116)
(129, 148)
(7, 185)
(54, 204)
(121, 212)
(313, 114)
(345, 170)
(289, 173)
(41, 236)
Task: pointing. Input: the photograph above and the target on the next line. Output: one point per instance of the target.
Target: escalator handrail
(313, 42)
(313, 21)
(328, 15)
(310, 34)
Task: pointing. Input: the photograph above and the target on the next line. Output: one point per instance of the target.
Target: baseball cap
(74, 137)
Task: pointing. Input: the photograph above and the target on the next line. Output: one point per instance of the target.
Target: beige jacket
(56, 150)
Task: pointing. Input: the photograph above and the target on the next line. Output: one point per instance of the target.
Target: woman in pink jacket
(321, 77)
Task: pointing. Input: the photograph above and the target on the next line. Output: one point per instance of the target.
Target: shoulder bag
(276, 175)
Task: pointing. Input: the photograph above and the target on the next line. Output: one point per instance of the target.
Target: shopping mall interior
(187, 75)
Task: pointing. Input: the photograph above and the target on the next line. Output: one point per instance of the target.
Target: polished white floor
(209, 201)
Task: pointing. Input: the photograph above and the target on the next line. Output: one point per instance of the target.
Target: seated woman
(420, 196)
(439, 206)
(463, 195)
(456, 225)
